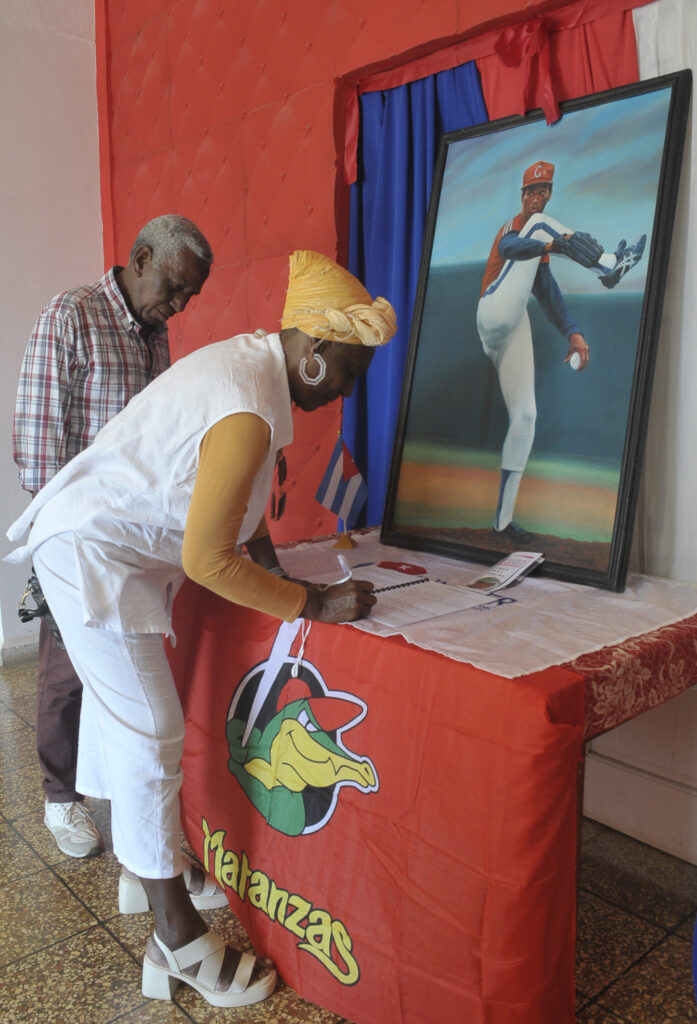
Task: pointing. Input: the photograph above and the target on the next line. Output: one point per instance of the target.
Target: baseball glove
(580, 247)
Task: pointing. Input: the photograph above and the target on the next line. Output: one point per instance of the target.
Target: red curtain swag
(525, 61)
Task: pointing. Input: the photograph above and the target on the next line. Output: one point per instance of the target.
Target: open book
(407, 594)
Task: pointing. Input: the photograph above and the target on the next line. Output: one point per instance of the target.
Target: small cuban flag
(342, 489)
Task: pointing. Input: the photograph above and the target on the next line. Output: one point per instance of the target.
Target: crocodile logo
(285, 732)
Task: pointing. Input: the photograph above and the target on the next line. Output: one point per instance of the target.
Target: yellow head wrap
(327, 302)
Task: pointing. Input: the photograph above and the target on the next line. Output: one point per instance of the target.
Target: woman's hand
(344, 602)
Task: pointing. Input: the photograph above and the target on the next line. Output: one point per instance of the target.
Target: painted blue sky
(607, 164)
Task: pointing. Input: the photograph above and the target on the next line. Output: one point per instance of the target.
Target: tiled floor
(68, 957)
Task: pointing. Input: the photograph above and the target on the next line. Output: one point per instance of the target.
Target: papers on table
(425, 599)
(407, 594)
(511, 568)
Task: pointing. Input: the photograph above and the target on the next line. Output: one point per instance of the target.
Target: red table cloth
(396, 829)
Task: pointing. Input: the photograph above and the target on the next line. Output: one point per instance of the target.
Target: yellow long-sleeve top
(230, 456)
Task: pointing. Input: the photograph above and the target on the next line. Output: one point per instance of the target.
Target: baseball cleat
(515, 533)
(619, 251)
(627, 257)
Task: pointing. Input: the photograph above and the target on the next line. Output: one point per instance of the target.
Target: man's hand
(344, 602)
(578, 344)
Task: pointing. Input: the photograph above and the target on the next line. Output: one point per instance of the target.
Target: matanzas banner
(368, 807)
(277, 771)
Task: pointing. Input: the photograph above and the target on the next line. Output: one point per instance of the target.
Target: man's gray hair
(168, 235)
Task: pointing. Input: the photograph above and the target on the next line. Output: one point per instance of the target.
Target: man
(518, 266)
(92, 349)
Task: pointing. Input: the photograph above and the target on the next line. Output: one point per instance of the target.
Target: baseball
(575, 361)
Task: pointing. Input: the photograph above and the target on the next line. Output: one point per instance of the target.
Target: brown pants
(58, 702)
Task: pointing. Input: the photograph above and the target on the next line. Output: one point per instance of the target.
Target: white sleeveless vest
(125, 498)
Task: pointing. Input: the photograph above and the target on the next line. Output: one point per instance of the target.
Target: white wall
(50, 221)
(665, 537)
(642, 777)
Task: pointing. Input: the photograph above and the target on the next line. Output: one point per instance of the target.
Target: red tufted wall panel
(222, 111)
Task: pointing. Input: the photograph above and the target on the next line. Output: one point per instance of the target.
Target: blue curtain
(397, 149)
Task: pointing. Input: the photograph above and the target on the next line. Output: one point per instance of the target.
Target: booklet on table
(511, 568)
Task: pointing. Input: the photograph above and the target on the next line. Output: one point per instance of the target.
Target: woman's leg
(132, 730)
(130, 748)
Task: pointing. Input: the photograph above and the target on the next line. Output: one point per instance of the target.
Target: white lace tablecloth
(547, 622)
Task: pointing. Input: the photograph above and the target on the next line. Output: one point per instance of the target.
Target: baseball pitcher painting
(533, 340)
(518, 266)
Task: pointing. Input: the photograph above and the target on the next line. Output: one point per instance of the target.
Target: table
(398, 829)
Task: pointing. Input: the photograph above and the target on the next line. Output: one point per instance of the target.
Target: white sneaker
(73, 829)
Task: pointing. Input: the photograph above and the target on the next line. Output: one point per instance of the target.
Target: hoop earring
(303, 369)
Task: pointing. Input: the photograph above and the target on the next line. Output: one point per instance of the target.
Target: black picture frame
(616, 159)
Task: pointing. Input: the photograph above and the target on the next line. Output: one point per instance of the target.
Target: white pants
(504, 329)
(131, 723)
(515, 365)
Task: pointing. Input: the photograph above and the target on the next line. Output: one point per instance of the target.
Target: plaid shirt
(86, 358)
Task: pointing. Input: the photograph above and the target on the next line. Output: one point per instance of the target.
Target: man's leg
(508, 493)
(132, 757)
(504, 305)
(514, 362)
(545, 229)
(58, 702)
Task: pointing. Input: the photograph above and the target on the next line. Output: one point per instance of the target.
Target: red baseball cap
(540, 173)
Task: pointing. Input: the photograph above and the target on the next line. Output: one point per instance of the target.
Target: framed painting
(526, 394)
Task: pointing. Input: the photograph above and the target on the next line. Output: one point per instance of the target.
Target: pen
(346, 567)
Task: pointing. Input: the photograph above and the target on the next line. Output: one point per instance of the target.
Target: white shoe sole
(161, 983)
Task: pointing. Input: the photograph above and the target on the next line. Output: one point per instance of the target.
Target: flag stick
(344, 540)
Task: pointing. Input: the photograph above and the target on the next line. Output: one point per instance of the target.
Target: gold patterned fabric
(325, 301)
(623, 680)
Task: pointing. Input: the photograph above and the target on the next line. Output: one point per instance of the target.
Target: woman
(172, 486)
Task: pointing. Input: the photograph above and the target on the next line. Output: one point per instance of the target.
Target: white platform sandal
(133, 899)
(160, 982)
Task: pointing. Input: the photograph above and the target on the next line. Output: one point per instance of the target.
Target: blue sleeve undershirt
(545, 288)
